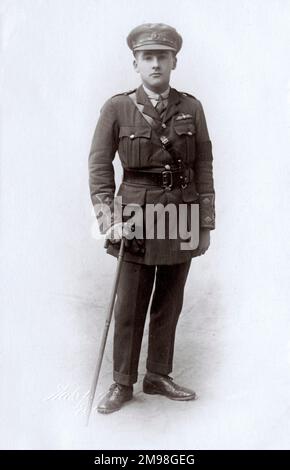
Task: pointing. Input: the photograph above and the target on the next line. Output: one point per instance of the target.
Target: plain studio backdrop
(59, 62)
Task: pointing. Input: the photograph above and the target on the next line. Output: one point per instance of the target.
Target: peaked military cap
(157, 36)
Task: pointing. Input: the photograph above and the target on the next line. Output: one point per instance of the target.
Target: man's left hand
(204, 240)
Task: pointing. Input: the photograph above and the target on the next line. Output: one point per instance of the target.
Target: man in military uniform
(162, 140)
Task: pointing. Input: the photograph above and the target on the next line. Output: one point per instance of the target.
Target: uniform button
(163, 125)
(167, 167)
(132, 136)
(189, 133)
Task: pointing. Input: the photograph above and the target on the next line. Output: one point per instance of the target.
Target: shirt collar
(154, 96)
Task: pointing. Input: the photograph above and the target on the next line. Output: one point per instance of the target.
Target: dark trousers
(133, 296)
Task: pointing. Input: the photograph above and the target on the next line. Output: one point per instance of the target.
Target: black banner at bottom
(129, 458)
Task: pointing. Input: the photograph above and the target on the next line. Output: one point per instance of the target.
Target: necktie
(160, 108)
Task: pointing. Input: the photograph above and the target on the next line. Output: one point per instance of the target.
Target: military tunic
(122, 128)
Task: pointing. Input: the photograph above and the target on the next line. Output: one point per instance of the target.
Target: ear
(135, 65)
(174, 63)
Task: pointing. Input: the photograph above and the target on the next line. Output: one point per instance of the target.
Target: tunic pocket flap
(184, 128)
(133, 131)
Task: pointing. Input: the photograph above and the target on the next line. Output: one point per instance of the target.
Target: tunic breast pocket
(185, 139)
(135, 145)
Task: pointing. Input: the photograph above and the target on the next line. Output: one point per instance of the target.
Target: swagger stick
(106, 329)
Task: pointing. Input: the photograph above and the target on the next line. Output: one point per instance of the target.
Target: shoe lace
(115, 388)
(168, 377)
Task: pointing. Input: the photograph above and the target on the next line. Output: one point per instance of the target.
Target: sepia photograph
(144, 237)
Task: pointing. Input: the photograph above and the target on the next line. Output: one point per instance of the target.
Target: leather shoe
(117, 395)
(157, 384)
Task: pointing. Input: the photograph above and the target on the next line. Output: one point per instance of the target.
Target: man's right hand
(117, 231)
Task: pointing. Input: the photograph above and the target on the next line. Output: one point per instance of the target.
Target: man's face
(155, 68)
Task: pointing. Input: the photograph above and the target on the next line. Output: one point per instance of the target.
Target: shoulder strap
(187, 94)
(124, 93)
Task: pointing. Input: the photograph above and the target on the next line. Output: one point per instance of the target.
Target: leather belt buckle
(167, 180)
